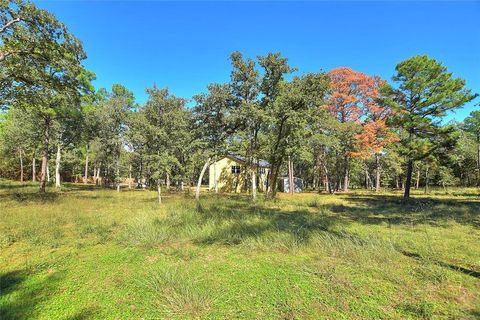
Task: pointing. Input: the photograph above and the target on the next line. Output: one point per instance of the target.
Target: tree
(289, 119)
(89, 124)
(424, 92)
(255, 93)
(272, 85)
(66, 135)
(244, 84)
(212, 119)
(20, 137)
(41, 66)
(472, 126)
(112, 116)
(353, 93)
(166, 132)
(375, 134)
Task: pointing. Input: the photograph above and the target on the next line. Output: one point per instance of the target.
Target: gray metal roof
(261, 162)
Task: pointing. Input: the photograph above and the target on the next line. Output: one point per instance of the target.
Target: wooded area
(382, 215)
(341, 129)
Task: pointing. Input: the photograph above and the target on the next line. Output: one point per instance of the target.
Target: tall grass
(304, 256)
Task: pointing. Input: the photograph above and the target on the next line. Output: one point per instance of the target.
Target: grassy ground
(82, 253)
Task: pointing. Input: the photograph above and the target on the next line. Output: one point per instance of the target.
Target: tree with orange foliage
(375, 134)
(353, 102)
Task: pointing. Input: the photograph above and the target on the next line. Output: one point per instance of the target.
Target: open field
(82, 253)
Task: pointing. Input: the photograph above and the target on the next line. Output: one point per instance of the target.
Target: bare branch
(4, 55)
(8, 24)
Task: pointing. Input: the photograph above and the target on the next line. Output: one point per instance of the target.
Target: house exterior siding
(221, 171)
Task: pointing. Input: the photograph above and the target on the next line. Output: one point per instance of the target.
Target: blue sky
(185, 45)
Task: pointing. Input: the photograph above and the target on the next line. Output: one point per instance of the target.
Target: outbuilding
(229, 174)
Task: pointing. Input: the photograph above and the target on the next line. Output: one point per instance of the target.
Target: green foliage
(164, 127)
(426, 91)
(318, 120)
(212, 116)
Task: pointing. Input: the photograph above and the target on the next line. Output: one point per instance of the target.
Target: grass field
(83, 252)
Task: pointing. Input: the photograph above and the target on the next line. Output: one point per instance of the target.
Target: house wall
(221, 172)
(228, 181)
(262, 180)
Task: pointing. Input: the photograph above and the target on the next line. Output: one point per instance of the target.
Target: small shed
(284, 186)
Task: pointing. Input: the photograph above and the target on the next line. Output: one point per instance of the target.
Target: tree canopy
(336, 130)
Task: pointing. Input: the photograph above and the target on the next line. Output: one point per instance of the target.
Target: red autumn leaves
(354, 98)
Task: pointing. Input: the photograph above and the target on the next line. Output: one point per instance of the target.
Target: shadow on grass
(9, 281)
(86, 313)
(24, 299)
(28, 192)
(236, 220)
(30, 197)
(453, 267)
(475, 313)
(376, 209)
(16, 186)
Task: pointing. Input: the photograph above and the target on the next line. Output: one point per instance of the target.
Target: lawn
(89, 253)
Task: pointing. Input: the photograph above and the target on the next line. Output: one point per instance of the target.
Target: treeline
(339, 129)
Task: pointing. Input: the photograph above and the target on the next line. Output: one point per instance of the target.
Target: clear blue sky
(186, 45)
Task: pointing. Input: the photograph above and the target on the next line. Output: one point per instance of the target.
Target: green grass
(88, 253)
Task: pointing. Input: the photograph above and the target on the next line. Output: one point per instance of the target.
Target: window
(261, 170)
(235, 169)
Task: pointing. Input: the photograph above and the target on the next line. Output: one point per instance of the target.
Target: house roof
(261, 162)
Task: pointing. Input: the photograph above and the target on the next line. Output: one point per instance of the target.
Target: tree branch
(8, 24)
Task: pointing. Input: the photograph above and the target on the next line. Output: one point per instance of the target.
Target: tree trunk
(367, 178)
(377, 171)
(273, 176)
(291, 186)
(21, 165)
(105, 175)
(168, 181)
(98, 174)
(215, 182)
(426, 180)
(46, 140)
(346, 181)
(130, 176)
(48, 173)
(408, 182)
(159, 192)
(117, 173)
(85, 179)
(478, 160)
(254, 185)
(57, 166)
(417, 183)
(34, 168)
(328, 186)
(200, 178)
(347, 175)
